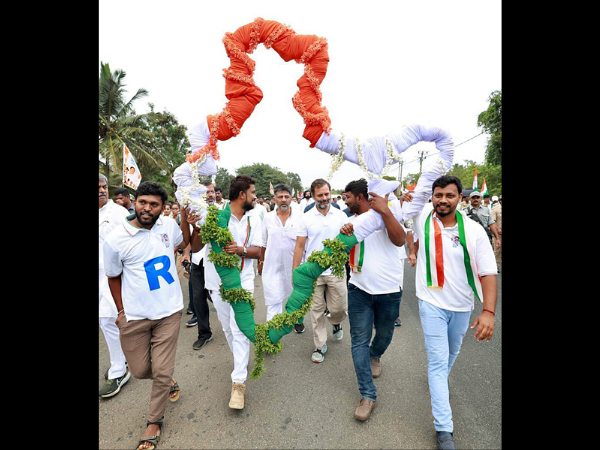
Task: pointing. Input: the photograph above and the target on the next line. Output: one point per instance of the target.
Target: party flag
(131, 173)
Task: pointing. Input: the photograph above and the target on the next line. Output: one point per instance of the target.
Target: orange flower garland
(244, 95)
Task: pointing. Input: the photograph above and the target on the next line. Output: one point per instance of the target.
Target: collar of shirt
(133, 230)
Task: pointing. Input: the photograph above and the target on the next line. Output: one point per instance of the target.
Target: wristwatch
(244, 253)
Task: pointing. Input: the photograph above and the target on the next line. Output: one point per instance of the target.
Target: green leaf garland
(266, 336)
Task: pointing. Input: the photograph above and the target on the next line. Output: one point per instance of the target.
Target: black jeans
(200, 295)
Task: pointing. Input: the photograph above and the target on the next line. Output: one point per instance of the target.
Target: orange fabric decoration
(244, 95)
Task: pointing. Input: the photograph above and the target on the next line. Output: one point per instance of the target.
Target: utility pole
(421, 158)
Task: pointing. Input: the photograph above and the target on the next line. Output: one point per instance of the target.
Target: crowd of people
(149, 244)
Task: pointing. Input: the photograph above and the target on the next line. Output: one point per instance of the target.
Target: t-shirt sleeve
(486, 261)
(113, 266)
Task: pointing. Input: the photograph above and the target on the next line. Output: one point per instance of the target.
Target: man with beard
(374, 290)
(247, 241)
(111, 214)
(317, 224)
(277, 253)
(139, 262)
(455, 265)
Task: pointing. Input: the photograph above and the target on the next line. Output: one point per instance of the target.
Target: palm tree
(118, 122)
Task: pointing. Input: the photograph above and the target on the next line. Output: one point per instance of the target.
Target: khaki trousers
(149, 347)
(336, 291)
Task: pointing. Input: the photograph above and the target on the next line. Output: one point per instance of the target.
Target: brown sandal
(174, 388)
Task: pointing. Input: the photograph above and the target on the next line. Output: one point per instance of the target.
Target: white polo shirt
(246, 232)
(317, 227)
(382, 270)
(456, 294)
(145, 259)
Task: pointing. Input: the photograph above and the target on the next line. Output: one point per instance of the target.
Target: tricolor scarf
(435, 255)
(248, 230)
(357, 256)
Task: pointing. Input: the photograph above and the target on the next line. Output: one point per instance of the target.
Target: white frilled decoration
(190, 191)
(374, 155)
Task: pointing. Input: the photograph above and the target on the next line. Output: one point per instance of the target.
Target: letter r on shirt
(158, 267)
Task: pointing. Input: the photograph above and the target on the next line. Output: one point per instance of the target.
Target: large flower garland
(266, 336)
(244, 95)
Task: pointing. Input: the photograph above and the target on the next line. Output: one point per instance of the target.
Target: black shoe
(445, 440)
(201, 343)
(299, 328)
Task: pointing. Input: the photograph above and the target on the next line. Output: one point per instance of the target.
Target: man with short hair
(201, 317)
(497, 217)
(320, 223)
(374, 289)
(483, 215)
(455, 266)
(247, 240)
(139, 262)
(110, 215)
(277, 252)
(122, 198)
(220, 202)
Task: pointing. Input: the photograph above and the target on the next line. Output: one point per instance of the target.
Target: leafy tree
(223, 180)
(118, 123)
(265, 174)
(491, 122)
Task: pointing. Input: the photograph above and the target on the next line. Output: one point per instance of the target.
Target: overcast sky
(391, 63)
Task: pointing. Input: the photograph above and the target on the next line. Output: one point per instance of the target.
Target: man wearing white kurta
(247, 235)
(277, 254)
(109, 216)
(319, 223)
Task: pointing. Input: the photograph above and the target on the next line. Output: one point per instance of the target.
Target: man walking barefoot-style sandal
(150, 441)
(174, 392)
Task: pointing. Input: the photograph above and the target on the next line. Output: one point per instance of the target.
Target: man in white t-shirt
(110, 215)
(374, 289)
(139, 261)
(319, 223)
(277, 253)
(247, 236)
(447, 283)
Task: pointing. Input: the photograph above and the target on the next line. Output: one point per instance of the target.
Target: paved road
(301, 404)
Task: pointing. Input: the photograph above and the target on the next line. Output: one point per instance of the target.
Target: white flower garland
(337, 159)
(390, 156)
(186, 197)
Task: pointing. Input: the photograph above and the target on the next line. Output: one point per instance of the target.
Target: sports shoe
(237, 395)
(445, 440)
(201, 343)
(299, 328)
(364, 408)
(112, 387)
(376, 367)
(338, 333)
(192, 322)
(397, 323)
(319, 355)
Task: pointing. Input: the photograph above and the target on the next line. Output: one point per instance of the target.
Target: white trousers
(273, 310)
(115, 352)
(239, 344)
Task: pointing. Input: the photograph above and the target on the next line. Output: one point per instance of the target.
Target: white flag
(131, 174)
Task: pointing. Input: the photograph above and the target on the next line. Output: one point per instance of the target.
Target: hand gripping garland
(373, 155)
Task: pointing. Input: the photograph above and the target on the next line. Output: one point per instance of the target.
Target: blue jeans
(364, 311)
(444, 331)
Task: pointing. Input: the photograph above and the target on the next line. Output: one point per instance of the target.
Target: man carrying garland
(320, 223)
(455, 265)
(374, 291)
(247, 242)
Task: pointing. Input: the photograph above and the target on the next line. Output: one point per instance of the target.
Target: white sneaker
(237, 396)
(319, 355)
(338, 333)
